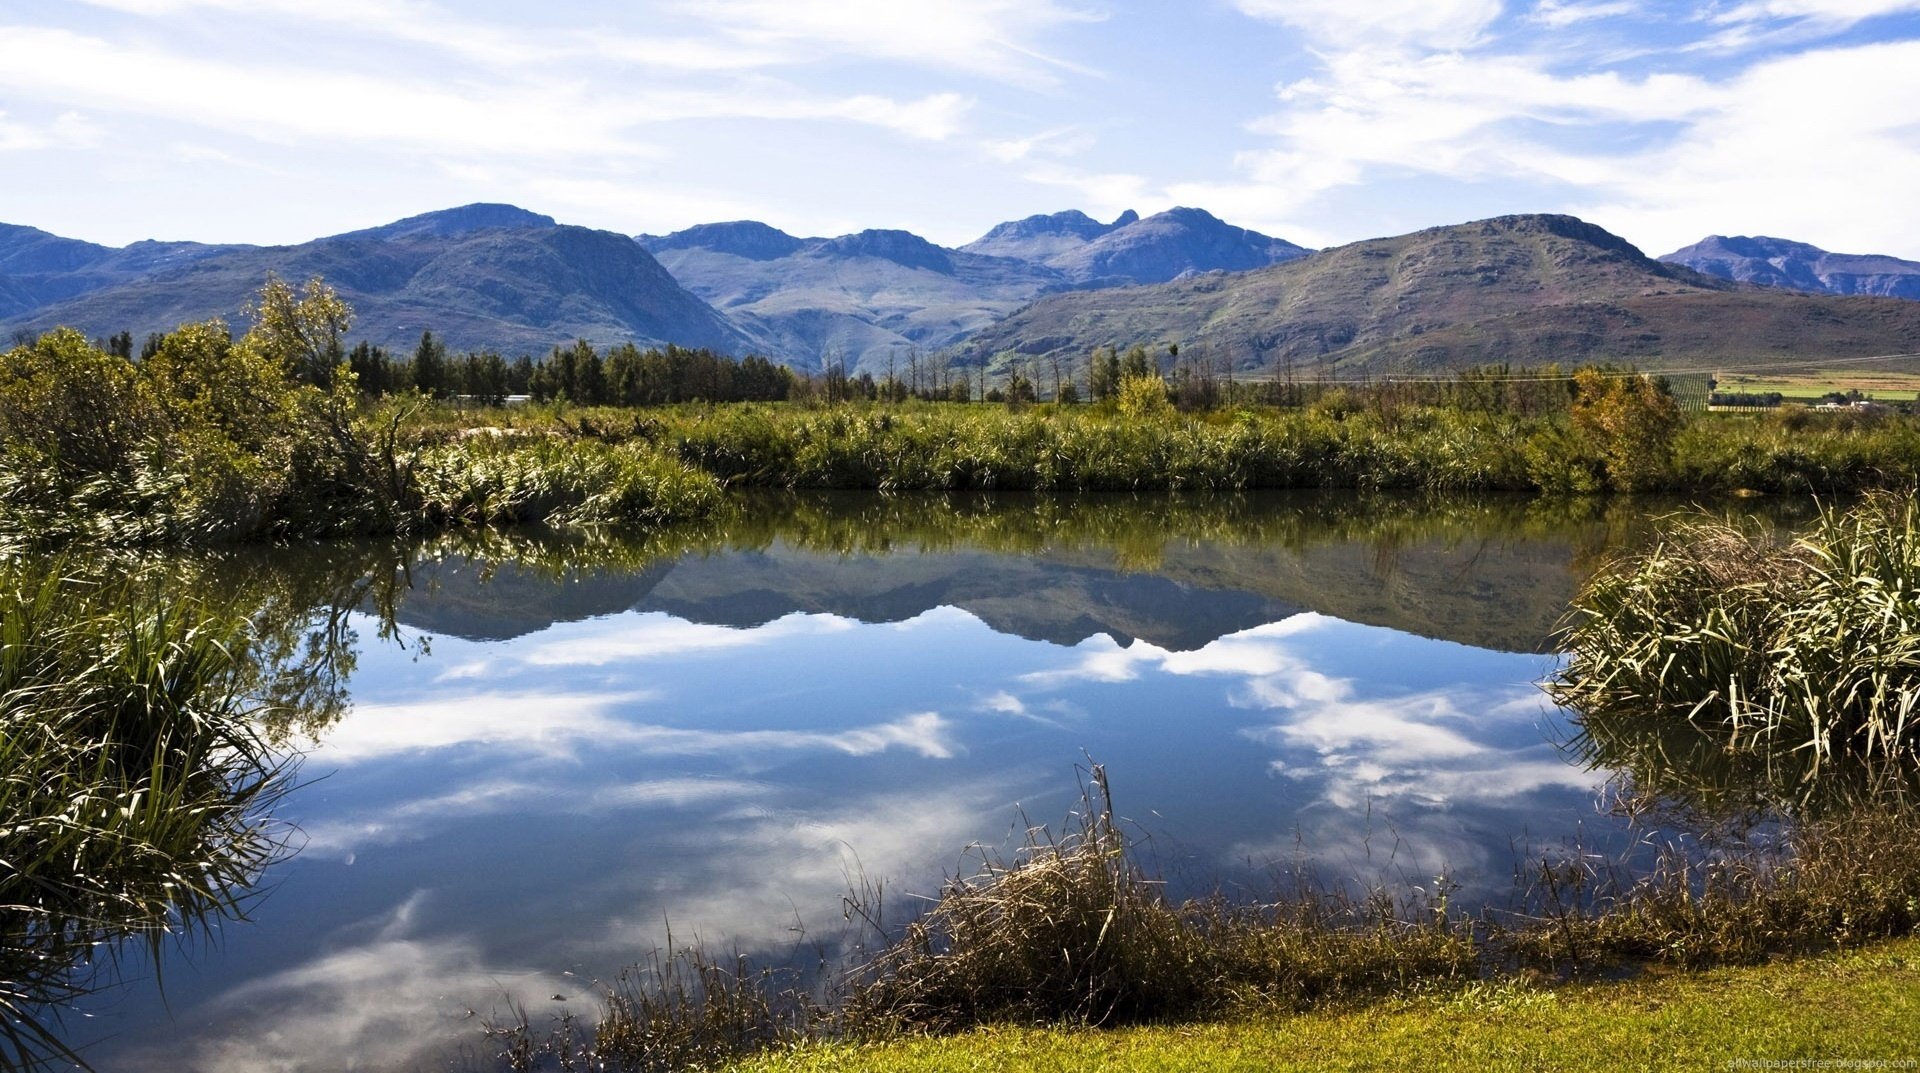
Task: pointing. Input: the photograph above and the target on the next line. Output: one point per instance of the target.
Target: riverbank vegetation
(1070, 931)
(279, 434)
(283, 433)
(1808, 650)
(134, 787)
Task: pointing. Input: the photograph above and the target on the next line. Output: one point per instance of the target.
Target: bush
(1811, 648)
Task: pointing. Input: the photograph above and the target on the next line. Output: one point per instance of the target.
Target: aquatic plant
(1811, 646)
(134, 787)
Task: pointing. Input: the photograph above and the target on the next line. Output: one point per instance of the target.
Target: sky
(1318, 121)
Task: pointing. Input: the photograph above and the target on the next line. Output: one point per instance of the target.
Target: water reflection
(556, 747)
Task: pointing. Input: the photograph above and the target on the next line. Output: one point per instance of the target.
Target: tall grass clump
(133, 788)
(1073, 930)
(1809, 648)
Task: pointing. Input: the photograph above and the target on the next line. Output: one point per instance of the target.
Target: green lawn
(1827, 1012)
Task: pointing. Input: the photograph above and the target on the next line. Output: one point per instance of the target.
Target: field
(1810, 386)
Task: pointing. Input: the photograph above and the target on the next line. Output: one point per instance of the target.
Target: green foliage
(132, 785)
(1142, 397)
(1809, 650)
(495, 480)
(1631, 423)
(301, 330)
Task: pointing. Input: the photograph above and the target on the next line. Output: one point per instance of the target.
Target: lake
(528, 762)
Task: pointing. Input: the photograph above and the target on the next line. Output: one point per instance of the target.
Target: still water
(527, 761)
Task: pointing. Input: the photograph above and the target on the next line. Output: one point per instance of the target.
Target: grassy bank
(1070, 932)
(1860, 1005)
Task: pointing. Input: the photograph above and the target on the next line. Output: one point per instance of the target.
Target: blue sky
(1321, 121)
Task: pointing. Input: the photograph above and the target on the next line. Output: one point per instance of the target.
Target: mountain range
(873, 298)
(1524, 289)
(1779, 262)
(479, 276)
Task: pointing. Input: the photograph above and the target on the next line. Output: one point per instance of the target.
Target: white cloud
(1427, 23)
(69, 130)
(289, 103)
(1772, 157)
(1829, 13)
(557, 724)
(1559, 14)
(994, 37)
(395, 1002)
(655, 635)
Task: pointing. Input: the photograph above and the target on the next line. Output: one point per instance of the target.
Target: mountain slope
(868, 298)
(1779, 262)
(1526, 289)
(1168, 245)
(1156, 249)
(873, 297)
(37, 268)
(1038, 238)
(479, 276)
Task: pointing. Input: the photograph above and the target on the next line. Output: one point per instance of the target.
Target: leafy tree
(1144, 396)
(1630, 421)
(1103, 373)
(301, 330)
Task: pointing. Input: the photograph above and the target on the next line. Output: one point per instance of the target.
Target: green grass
(1861, 1005)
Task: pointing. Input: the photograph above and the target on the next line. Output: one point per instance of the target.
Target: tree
(1137, 364)
(301, 330)
(429, 369)
(1103, 373)
(1630, 421)
(1019, 389)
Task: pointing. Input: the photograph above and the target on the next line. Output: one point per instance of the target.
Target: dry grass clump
(1075, 932)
